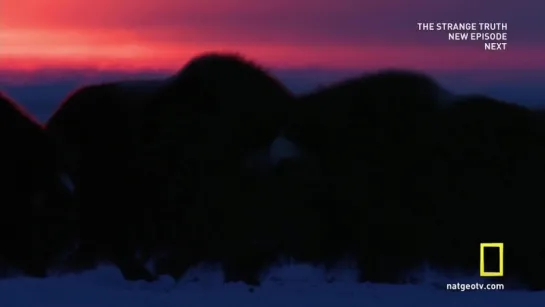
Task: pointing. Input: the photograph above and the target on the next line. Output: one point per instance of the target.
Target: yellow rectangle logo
(491, 274)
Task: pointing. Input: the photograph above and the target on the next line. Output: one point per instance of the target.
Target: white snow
(296, 285)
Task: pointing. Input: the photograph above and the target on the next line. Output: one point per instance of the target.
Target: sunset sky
(140, 35)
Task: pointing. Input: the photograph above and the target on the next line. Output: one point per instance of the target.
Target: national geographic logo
(493, 266)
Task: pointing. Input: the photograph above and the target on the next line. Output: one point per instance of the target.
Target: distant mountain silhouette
(389, 168)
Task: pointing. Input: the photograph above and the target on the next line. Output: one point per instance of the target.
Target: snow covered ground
(296, 286)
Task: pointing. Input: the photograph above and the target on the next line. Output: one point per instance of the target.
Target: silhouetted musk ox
(212, 118)
(35, 205)
(338, 114)
(372, 136)
(393, 170)
(96, 131)
(168, 169)
(490, 176)
(425, 180)
(100, 121)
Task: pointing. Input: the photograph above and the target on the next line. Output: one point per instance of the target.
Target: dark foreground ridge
(389, 169)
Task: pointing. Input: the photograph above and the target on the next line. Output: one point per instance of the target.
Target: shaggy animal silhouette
(213, 116)
(180, 149)
(35, 205)
(96, 131)
(391, 169)
(490, 174)
(372, 136)
(426, 184)
(99, 121)
(203, 89)
(336, 115)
